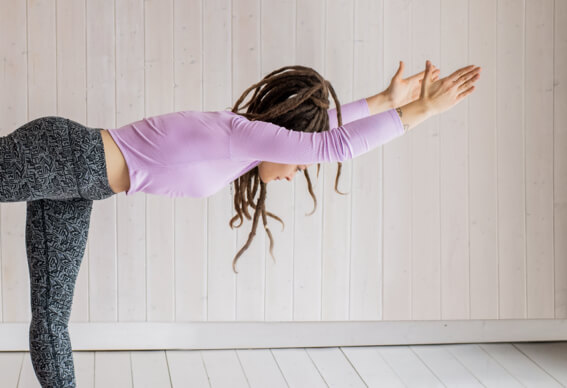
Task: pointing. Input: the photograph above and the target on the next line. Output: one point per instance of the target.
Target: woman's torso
(116, 167)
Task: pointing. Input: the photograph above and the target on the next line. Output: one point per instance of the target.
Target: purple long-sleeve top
(196, 154)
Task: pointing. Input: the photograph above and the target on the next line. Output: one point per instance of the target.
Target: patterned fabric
(58, 167)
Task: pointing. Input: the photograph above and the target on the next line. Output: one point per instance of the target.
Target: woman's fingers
(458, 73)
(467, 82)
(468, 75)
(465, 93)
(434, 75)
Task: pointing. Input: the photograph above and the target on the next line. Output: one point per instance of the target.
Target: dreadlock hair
(294, 97)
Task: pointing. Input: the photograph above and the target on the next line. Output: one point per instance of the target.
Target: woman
(59, 167)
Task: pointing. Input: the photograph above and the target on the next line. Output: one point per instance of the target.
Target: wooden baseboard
(247, 335)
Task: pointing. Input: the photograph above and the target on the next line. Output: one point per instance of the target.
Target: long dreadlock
(294, 97)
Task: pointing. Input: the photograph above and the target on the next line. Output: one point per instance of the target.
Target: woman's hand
(440, 95)
(403, 91)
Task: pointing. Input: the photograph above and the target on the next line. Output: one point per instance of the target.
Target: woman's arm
(259, 140)
(413, 113)
(379, 103)
(361, 108)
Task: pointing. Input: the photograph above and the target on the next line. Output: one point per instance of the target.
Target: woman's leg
(56, 236)
(58, 167)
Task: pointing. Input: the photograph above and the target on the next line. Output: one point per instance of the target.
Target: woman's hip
(55, 158)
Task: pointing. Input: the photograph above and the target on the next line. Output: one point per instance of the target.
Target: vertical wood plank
(453, 133)
(510, 155)
(539, 158)
(278, 49)
(42, 101)
(14, 288)
(23, 48)
(396, 260)
(309, 51)
(245, 72)
(71, 61)
(159, 217)
(365, 299)
(560, 158)
(190, 213)
(131, 210)
(425, 160)
(101, 111)
(337, 208)
(217, 96)
(72, 103)
(42, 79)
(483, 164)
(14, 283)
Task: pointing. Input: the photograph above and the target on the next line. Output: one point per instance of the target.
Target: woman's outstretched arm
(259, 140)
(400, 92)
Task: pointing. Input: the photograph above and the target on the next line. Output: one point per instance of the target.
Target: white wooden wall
(463, 218)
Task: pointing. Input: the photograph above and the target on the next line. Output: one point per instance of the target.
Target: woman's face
(269, 171)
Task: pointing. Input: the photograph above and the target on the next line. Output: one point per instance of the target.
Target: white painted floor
(524, 364)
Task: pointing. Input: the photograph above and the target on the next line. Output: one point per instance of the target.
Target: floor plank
(298, 369)
(10, 365)
(486, 369)
(224, 369)
(445, 366)
(113, 370)
(520, 366)
(536, 364)
(550, 356)
(409, 367)
(371, 366)
(186, 368)
(149, 369)
(335, 367)
(261, 368)
(27, 375)
(84, 369)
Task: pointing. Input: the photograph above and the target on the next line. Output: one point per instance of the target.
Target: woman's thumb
(400, 70)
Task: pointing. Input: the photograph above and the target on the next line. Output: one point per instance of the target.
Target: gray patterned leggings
(58, 167)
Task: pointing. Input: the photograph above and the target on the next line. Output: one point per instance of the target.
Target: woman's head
(270, 171)
(294, 97)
